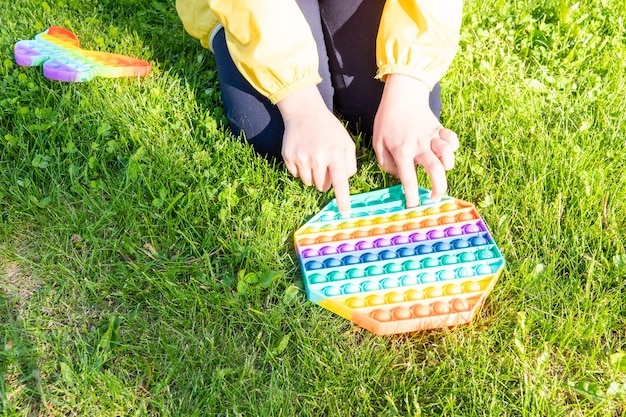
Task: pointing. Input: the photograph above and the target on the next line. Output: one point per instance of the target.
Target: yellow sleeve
(418, 38)
(198, 19)
(271, 44)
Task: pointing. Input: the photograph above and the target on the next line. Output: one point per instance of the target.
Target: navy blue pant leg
(345, 33)
(350, 29)
(249, 113)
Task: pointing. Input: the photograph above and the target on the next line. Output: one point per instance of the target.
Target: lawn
(130, 216)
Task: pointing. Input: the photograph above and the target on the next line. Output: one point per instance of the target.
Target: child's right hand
(407, 133)
(316, 147)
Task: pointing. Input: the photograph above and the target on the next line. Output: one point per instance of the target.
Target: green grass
(130, 216)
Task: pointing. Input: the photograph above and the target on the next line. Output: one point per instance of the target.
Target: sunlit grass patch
(146, 256)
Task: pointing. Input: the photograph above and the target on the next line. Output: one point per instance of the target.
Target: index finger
(437, 173)
(341, 186)
(408, 178)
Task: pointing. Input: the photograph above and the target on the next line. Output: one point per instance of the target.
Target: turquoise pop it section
(392, 270)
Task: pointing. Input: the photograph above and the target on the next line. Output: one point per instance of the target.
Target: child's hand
(407, 133)
(316, 147)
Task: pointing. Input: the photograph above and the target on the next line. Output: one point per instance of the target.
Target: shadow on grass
(20, 376)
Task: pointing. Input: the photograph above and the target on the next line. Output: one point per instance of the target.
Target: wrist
(407, 86)
(300, 102)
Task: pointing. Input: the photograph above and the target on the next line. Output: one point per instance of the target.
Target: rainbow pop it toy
(57, 50)
(392, 269)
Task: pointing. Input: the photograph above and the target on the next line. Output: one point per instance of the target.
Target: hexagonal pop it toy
(57, 50)
(391, 270)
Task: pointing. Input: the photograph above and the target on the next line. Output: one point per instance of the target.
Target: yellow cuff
(429, 78)
(312, 79)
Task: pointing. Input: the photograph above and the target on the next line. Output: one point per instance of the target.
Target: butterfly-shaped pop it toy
(58, 51)
(392, 269)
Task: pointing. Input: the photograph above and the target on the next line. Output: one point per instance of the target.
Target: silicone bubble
(332, 263)
(409, 280)
(387, 254)
(485, 254)
(421, 310)
(377, 270)
(394, 297)
(359, 234)
(442, 246)
(446, 275)
(381, 315)
(463, 217)
(395, 228)
(471, 228)
(448, 260)
(471, 286)
(412, 295)
(430, 262)
(339, 237)
(483, 269)
(350, 260)
(433, 292)
(447, 219)
(390, 283)
(427, 277)
(309, 253)
(347, 225)
(463, 272)
(331, 291)
(424, 249)
(460, 244)
(317, 278)
(350, 289)
(355, 302)
(401, 313)
(413, 226)
(441, 307)
(436, 234)
(324, 239)
(453, 231)
(382, 243)
(337, 276)
(392, 268)
(369, 257)
(453, 289)
(355, 273)
(346, 247)
(467, 257)
(400, 240)
(430, 222)
(460, 305)
(375, 300)
(328, 250)
(404, 252)
(306, 241)
(449, 207)
(364, 245)
(478, 241)
(411, 265)
(313, 265)
(418, 237)
(370, 286)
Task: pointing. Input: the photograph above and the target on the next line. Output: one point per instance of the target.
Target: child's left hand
(407, 133)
